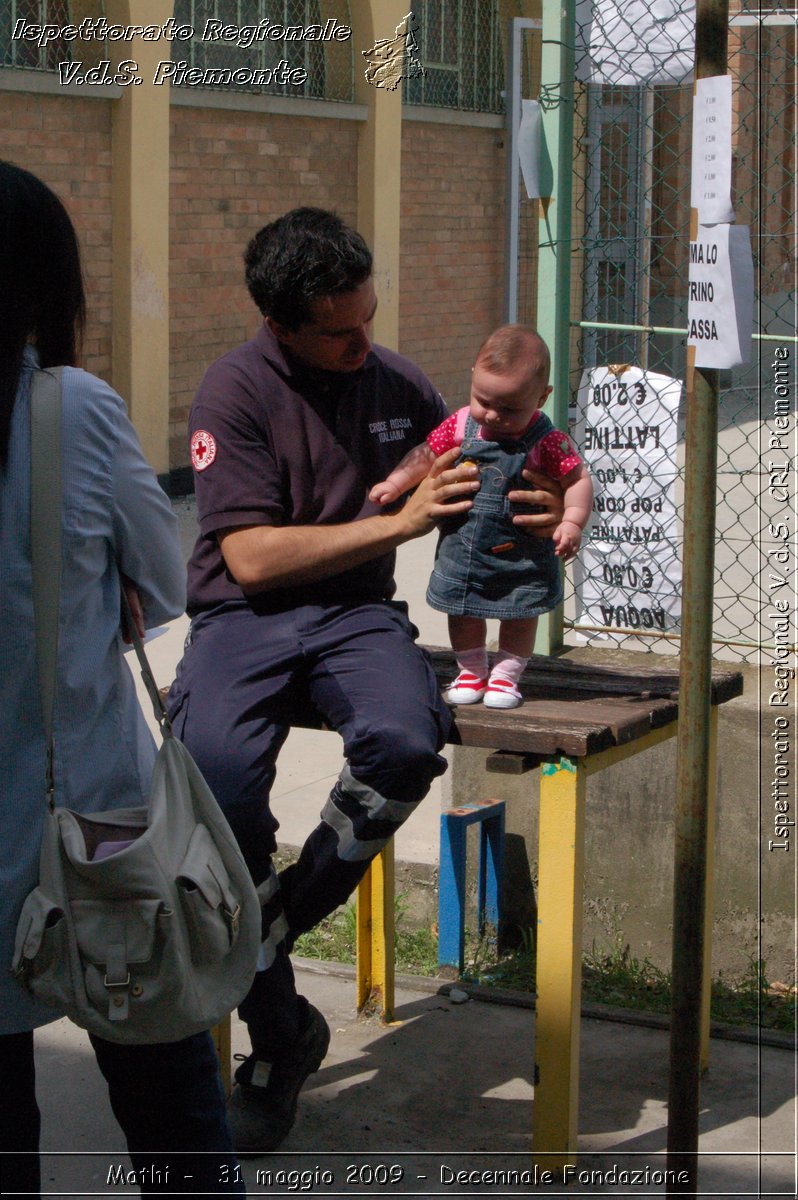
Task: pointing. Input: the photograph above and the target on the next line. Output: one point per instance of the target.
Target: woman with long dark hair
(116, 525)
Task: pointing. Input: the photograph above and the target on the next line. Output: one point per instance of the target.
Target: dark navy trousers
(167, 1098)
(244, 680)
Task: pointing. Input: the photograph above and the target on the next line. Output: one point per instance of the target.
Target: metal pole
(512, 104)
(557, 89)
(693, 745)
(555, 250)
(512, 219)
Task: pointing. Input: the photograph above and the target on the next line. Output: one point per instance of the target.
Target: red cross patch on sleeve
(203, 449)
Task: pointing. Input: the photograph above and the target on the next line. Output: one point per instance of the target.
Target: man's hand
(445, 492)
(547, 493)
(134, 600)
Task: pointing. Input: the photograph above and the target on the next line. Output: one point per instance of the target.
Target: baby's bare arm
(411, 470)
(578, 501)
(578, 496)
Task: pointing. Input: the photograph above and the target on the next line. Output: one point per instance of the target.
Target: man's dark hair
(304, 255)
(41, 284)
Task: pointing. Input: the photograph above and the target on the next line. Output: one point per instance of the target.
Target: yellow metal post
(375, 935)
(559, 960)
(363, 941)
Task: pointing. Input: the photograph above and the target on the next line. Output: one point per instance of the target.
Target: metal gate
(626, 230)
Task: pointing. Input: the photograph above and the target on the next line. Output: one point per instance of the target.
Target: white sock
(508, 666)
(474, 661)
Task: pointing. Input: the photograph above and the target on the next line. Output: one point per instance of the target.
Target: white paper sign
(710, 180)
(720, 297)
(628, 573)
(529, 132)
(642, 41)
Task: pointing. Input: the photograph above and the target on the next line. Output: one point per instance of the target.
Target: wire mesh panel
(461, 49)
(279, 47)
(631, 219)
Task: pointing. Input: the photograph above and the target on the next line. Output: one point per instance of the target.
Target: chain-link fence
(628, 311)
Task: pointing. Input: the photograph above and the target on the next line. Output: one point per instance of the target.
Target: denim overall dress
(485, 566)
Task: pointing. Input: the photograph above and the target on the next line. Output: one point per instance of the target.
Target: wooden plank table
(576, 720)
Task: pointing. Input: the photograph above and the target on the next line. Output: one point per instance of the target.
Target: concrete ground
(448, 1088)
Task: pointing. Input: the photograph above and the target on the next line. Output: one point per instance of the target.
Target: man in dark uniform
(290, 595)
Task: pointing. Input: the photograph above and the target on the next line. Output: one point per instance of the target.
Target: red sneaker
(502, 693)
(466, 689)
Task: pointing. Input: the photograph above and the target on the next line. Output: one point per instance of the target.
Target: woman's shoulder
(81, 388)
(93, 413)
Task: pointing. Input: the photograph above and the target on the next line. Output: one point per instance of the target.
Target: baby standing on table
(487, 565)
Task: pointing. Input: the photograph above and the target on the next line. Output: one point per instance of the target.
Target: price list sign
(628, 573)
(710, 175)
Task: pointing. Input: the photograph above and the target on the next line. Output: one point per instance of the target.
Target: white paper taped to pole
(529, 140)
(628, 573)
(710, 178)
(720, 296)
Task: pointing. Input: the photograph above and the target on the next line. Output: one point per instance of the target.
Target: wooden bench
(575, 721)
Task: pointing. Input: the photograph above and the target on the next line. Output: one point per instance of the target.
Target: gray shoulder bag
(145, 925)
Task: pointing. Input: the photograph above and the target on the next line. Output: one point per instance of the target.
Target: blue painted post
(451, 895)
(491, 869)
(451, 892)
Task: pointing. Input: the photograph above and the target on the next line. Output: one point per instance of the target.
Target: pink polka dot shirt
(555, 455)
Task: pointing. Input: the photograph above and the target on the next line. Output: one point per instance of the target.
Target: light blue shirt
(115, 518)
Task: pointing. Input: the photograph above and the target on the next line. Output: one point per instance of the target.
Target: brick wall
(232, 172)
(66, 142)
(452, 253)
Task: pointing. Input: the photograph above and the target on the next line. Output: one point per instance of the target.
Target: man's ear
(276, 328)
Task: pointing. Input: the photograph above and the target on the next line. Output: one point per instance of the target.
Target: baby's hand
(384, 493)
(567, 538)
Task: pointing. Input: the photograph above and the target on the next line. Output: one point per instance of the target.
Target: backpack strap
(45, 535)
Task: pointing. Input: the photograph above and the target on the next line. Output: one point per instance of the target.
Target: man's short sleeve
(236, 479)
